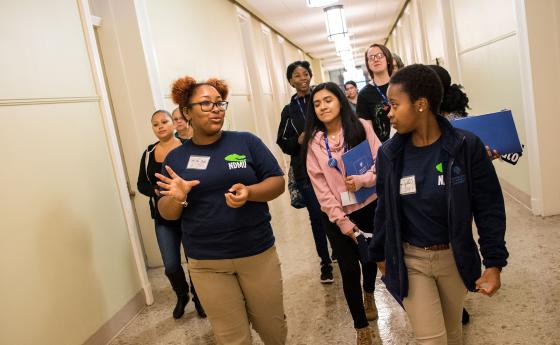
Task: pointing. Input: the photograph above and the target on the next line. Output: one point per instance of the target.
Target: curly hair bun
(181, 87)
(219, 85)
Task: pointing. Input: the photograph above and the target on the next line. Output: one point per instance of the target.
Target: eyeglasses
(208, 106)
(376, 57)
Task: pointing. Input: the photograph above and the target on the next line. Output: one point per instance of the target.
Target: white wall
(477, 42)
(539, 22)
(65, 255)
(488, 57)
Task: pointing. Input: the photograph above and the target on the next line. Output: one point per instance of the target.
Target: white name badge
(348, 198)
(408, 185)
(198, 162)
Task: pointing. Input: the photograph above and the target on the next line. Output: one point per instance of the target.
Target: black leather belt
(434, 247)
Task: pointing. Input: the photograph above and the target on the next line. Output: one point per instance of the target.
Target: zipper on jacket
(449, 186)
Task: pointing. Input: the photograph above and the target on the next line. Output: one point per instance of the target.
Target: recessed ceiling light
(320, 3)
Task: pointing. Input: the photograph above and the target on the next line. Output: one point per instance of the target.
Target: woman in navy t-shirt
(218, 183)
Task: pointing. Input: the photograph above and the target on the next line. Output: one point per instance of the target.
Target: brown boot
(364, 336)
(369, 306)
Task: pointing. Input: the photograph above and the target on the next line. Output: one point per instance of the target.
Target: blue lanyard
(385, 100)
(300, 106)
(333, 163)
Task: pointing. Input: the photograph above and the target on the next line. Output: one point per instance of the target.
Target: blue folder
(358, 161)
(496, 130)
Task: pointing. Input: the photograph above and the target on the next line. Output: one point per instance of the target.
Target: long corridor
(524, 311)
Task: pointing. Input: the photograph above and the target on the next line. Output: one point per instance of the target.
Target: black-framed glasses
(376, 57)
(208, 106)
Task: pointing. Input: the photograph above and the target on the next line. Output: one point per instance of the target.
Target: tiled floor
(524, 311)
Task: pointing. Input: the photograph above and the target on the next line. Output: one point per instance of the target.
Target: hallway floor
(524, 311)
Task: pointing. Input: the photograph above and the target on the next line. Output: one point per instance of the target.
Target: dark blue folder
(358, 161)
(496, 130)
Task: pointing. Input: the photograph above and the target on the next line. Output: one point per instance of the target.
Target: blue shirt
(211, 229)
(425, 211)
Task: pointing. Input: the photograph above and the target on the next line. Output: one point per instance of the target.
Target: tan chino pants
(239, 292)
(435, 296)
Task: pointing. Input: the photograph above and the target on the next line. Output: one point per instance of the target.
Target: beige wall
(488, 54)
(65, 256)
(541, 56)
(480, 49)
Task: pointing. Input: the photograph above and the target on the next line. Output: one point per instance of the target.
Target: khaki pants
(236, 292)
(435, 296)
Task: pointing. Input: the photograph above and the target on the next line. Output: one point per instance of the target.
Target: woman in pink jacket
(331, 129)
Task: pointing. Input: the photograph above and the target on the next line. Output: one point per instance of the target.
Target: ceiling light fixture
(342, 44)
(335, 21)
(320, 3)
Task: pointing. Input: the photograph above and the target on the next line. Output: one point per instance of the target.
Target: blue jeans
(315, 217)
(169, 242)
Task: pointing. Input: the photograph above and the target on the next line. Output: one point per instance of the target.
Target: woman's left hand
(350, 184)
(489, 283)
(239, 198)
(492, 154)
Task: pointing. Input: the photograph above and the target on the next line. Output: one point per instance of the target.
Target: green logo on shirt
(234, 157)
(439, 169)
(236, 161)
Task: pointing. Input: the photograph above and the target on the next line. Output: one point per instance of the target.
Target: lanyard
(333, 163)
(385, 100)
(300, 106)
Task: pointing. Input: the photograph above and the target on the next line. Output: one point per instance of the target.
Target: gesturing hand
(489, 283)
(174, 186)
(239, 198)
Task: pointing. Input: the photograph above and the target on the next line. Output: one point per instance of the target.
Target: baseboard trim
(514, 192)
(112, 327)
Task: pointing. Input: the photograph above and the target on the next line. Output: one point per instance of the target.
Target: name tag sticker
(198, 162)
(348, 198)
(408, 185)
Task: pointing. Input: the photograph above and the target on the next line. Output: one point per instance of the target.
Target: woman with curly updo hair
(218, 184)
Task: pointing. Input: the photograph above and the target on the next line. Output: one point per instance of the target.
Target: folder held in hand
(496, 130)
(358, 161)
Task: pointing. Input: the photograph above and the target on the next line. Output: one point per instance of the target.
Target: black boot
(199, 309)
(182, 302)
(466, 317)
(181, 288)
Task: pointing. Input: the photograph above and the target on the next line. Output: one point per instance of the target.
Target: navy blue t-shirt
(425, 211)
(211, 229)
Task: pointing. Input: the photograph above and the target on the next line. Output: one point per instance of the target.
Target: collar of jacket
(294, 96)
(451, 140)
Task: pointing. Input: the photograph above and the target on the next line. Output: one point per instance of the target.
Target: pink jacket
(328, 182)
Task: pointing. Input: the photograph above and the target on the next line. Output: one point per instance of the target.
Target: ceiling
(368, 21)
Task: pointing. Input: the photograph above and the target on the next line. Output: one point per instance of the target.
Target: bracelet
(184, 203)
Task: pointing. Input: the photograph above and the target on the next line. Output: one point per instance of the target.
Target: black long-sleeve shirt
(147, 183)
